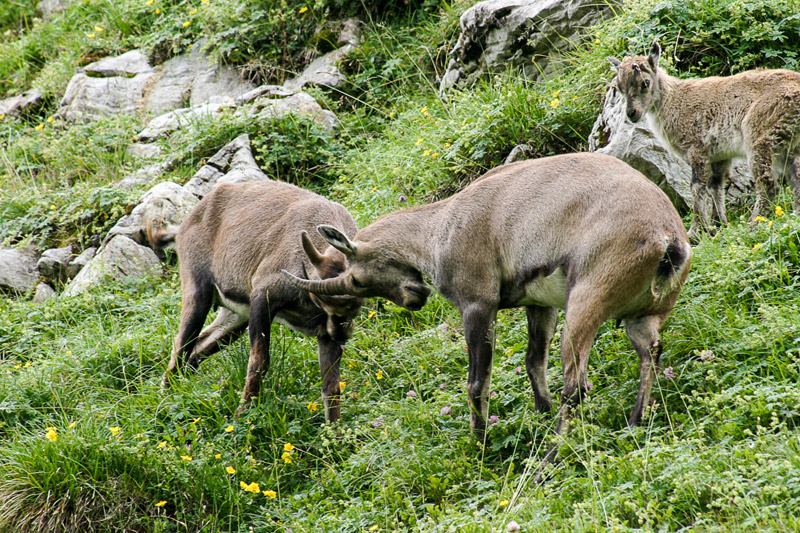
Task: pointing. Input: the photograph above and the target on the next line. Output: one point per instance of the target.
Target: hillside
(90, 442)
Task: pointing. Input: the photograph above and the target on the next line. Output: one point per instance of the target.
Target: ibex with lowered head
(754, 114)
(581, 232)
(231, 250)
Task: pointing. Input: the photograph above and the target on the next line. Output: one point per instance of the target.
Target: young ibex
(755, 114)
(231, 250)
(581, 232)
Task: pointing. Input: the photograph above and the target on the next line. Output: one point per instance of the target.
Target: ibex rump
(584, 232)
(231, 250)
(754, 114)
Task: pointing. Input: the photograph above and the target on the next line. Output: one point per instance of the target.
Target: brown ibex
(581, 232)
(231, 250)
(754, 114)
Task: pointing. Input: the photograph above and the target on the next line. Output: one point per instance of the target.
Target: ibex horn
(326, 287)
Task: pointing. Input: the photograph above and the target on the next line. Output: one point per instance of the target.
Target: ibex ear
(655, 53)
(337, 239)
(311, 251)
(615, 63)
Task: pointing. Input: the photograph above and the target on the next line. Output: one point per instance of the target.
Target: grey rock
(119, 258)
(88, 98)
(300, 104)
(81, 261)
(126, 65)
(18, 105)
(323, 71)
(233, 163)
(143, 152)
(18, 272)
(43, 293)
(49, 8)
(640, 147)
(274, 91)
(53, 264)
(165, 124)
(518, 153)
(165, 204)
(144, 175)
(351, 33)
(497, 34)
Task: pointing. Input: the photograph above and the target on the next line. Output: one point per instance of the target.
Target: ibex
(581, 232)
(755, 114)
(231, 250)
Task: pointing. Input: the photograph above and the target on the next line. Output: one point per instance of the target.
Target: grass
(91, 442)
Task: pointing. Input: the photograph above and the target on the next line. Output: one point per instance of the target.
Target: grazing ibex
(231, 250)
(755, 114)
(581, 232)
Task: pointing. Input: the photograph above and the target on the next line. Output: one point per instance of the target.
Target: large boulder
(118, 259)
(18, 272)
(232, 164)
(54, 263)
(640, 147)
(107, 87)
(497, 34)
(21, 104)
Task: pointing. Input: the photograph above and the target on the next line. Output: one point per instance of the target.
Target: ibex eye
(646, 84)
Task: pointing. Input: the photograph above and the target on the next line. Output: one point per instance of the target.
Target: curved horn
(327, 287)
(311, 251)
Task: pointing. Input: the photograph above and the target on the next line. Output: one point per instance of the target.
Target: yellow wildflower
(778, 210)
(759, 219)
(161, 444)
(39, 127)
(217, 456)
(28, 364)
(193, 11)
(374, 528)
(302, 10)
(269, 493)
(769, 223)
(149, 2)
(312, 406)
(554, 102)
(51, 434)
(288, 447)
(757, 246)
(98, 29)
(187, 23)
(424, 110)
(371, 314)
(90, 35)
(555, 94)
(230, 470)
(73, 424)
(162, 503)
(69, 352)
(504, 503)
(158, 11)
(379, 374)
(2, 116)
(342, 385)
(391, 114)
(50, 119)
(287, 457)
(250, 487)
(447, 145)
(229, 429)
(204, 2)
(426, 153)
(114, 430)
(435, 155)
(419, 141)
(17, 367)
(186, 457)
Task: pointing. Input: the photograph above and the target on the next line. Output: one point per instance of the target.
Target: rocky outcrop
(26, 102)
(53, 265)
(120, 258)
(637, 145)
(18, 272)
(324, 70)
(50, 8)
(497, 34)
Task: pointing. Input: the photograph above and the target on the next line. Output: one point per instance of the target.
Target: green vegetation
(90, 443)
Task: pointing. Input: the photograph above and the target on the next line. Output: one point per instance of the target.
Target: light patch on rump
(547, 291)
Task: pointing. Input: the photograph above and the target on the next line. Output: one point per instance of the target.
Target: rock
(174, 120)
(49, 8)
(107, 87)
(300, 104)
(81, 261)
(43, 293)
(637, 145)
(324, 70)
(165, 204)
(497, 34)
(119, 258)
(193, 79)
(143, 151)
(53, 265)
(18, 272)
(233, 163)
(144, 175)
(518, 153)
(276, 91)
(19, 105)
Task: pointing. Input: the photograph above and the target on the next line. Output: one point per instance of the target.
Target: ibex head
(370, 272)
(637, 79)
(340, 308)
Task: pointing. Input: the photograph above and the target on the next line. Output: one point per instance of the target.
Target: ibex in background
(231, 250)
(581, 232)
(755, 114)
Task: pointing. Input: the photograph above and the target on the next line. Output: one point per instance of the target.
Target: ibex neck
(667, 86)
(409, 235)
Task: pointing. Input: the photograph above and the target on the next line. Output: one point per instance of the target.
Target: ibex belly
(546, 291)
(305, 321)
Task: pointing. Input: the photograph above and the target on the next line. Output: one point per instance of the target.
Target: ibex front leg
(262, 311)
(643, 333)
(330, 355)
(541, 328)
(479, 323)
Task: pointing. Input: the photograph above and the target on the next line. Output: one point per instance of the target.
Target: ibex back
(231, 250)
(755, 114)
(584, 232)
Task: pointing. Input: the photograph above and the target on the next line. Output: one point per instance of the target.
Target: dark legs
(541, 328)
(643, 333)
(196, 303)
(330, 355)
(479, 321)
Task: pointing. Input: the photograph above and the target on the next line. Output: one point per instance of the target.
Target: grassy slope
(719, 450)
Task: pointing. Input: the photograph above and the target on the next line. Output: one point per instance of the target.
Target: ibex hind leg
(717, 186)
(226, 328)
(760, 162)
(793, 174)
(643, 333)
(541, 328)
(195, 305)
